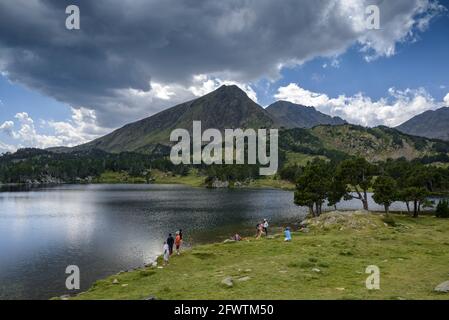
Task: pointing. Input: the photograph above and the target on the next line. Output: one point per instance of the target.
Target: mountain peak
(230, 90)
(429, 124)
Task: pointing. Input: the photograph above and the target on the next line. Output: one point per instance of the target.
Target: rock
(228, 282)
(316, 270)
(304, 223)
(220, 184)
(115, 281)
(442, 287)
(124, 285)
(244, 279)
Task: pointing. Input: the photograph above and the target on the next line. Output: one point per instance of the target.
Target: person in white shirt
(265, 226)
(166, 250)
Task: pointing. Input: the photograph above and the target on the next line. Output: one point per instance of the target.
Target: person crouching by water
(265, 227)
(166, 251)
(260, 231)
(170, 242)
(288, 234)
(178, 241)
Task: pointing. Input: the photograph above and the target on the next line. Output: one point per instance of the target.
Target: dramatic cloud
(397, 108)
(132, 58)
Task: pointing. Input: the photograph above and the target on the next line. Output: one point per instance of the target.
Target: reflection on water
(107, 228)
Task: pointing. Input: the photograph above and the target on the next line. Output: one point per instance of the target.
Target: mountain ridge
(292, 115)
(432, 124)
(229, 107)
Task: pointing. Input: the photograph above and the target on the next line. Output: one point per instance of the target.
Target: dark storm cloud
(127, 44)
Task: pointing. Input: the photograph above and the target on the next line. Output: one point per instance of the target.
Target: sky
(133, 58)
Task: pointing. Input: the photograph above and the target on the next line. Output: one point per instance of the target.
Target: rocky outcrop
(442, 287)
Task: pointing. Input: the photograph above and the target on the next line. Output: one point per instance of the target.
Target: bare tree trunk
(365, 200)
(365, 204)
(408, 206)
(415, 209)
(311, 212)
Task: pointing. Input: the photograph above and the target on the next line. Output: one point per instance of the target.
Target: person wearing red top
(178, 241)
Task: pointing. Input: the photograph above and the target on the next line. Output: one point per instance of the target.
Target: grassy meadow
(328, 262)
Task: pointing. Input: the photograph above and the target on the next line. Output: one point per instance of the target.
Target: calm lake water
(104, 229)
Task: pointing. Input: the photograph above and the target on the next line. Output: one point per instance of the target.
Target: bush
(389, 220)
(442, 210)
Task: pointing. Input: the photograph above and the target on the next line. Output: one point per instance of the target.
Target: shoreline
(327, 246)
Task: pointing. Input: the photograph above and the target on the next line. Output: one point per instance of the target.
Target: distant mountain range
(304, 130)
(291, 115)
(430, 124)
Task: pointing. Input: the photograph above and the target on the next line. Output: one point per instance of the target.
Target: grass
(329, 262)
(118, 177)
(192, 179)
(272, 182)
(300, 158)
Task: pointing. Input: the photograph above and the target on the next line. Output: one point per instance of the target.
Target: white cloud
(6, 127)
(446, 99)
(81, 128)
(398, 107)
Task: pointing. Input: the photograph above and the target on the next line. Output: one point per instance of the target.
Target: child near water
(288, 235)
(166, 253)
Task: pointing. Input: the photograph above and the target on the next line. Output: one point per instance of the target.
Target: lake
(104, 229)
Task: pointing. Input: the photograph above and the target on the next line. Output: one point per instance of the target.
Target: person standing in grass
(265, 227)
(170, 242)
(166, 253)
(288, 234)
(178, 241)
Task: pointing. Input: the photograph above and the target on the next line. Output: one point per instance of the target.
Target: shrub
(442, 210)
(389, 220)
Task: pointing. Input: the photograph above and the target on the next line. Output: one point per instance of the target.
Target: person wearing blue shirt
(288, 235)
